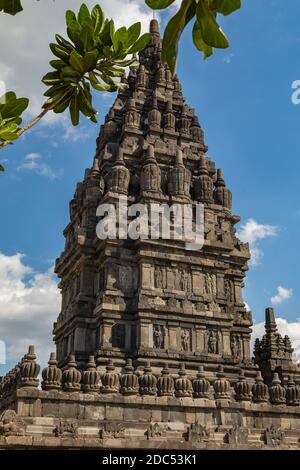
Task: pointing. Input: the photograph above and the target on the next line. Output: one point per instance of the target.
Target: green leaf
(60, 52)
(11, 127)
(97, 18)
(13, 107)
(120, 38)
(133, 33)
(225, 6)
(77, 62)
(85, 105)
(9, 96)
(1, 168)
(174, 30)
(69, 72)
(57, 64)
(111, 30)
(51, 78)
(140, 44)
(198, 41)
(99, 86)
(159, 4)
(12, 7)
(83, 14)
(8, 131)
(211, 32)
(63, 104)
(74, 31)
(74, 110)
(91, 59)
(70, 17)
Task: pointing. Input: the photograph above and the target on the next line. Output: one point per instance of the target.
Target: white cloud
(292, 329)
(29, 33)
(29, 304)
(282, 294)
(228, 58)
(33, 164)
(252, 232)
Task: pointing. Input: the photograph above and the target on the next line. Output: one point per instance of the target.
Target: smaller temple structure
(140, 407)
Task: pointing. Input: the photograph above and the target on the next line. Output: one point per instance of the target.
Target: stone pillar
(144, 336)
(200, 340)
(226, 343)
(79, 339)
(127, 336)
(220, 286)
(238, 293)
(198, 283)
(246, 347)
(173, 337)
(147, 276)
(106, 334)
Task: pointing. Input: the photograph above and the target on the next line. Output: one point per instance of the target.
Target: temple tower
(152, 298)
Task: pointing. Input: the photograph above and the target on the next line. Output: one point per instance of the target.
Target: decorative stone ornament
(196, 131)
(154, 116)
(203, 187)
(29, 370)
(183, 385)
(133, 118)
(120, 175)
(179, 178)
(222, 195)
(201, 385)
(277, 391)
(169, 120)
(222, 386)
(242, 388)
(129, 380)
(91, 377)
(110, 379)
(151, 175)
(52, 375)
(260, 391)
(148, 381)
(292, 393)
(71, 376)
(165, 383)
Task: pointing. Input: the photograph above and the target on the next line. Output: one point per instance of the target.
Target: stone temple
(153, 340)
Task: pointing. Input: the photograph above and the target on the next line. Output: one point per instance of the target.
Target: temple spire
(154, 26)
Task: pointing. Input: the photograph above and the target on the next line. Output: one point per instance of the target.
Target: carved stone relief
(11, 424)
(235, 344)
(210, 284)
(229, 291)
(197, 433)
(214, 342)
(112, 431)
(66, 429)
(159, 334)
(185, 340)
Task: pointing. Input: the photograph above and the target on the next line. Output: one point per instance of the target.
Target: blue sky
(243, 99)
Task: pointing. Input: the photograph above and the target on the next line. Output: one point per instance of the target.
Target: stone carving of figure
(186, 282)
(159, 336)
(185, 340)
(235, 346)
(210, 284)
(213, 342)
(159, 278)
(229, 291)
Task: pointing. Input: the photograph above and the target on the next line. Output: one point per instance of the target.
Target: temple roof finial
(154, 27)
